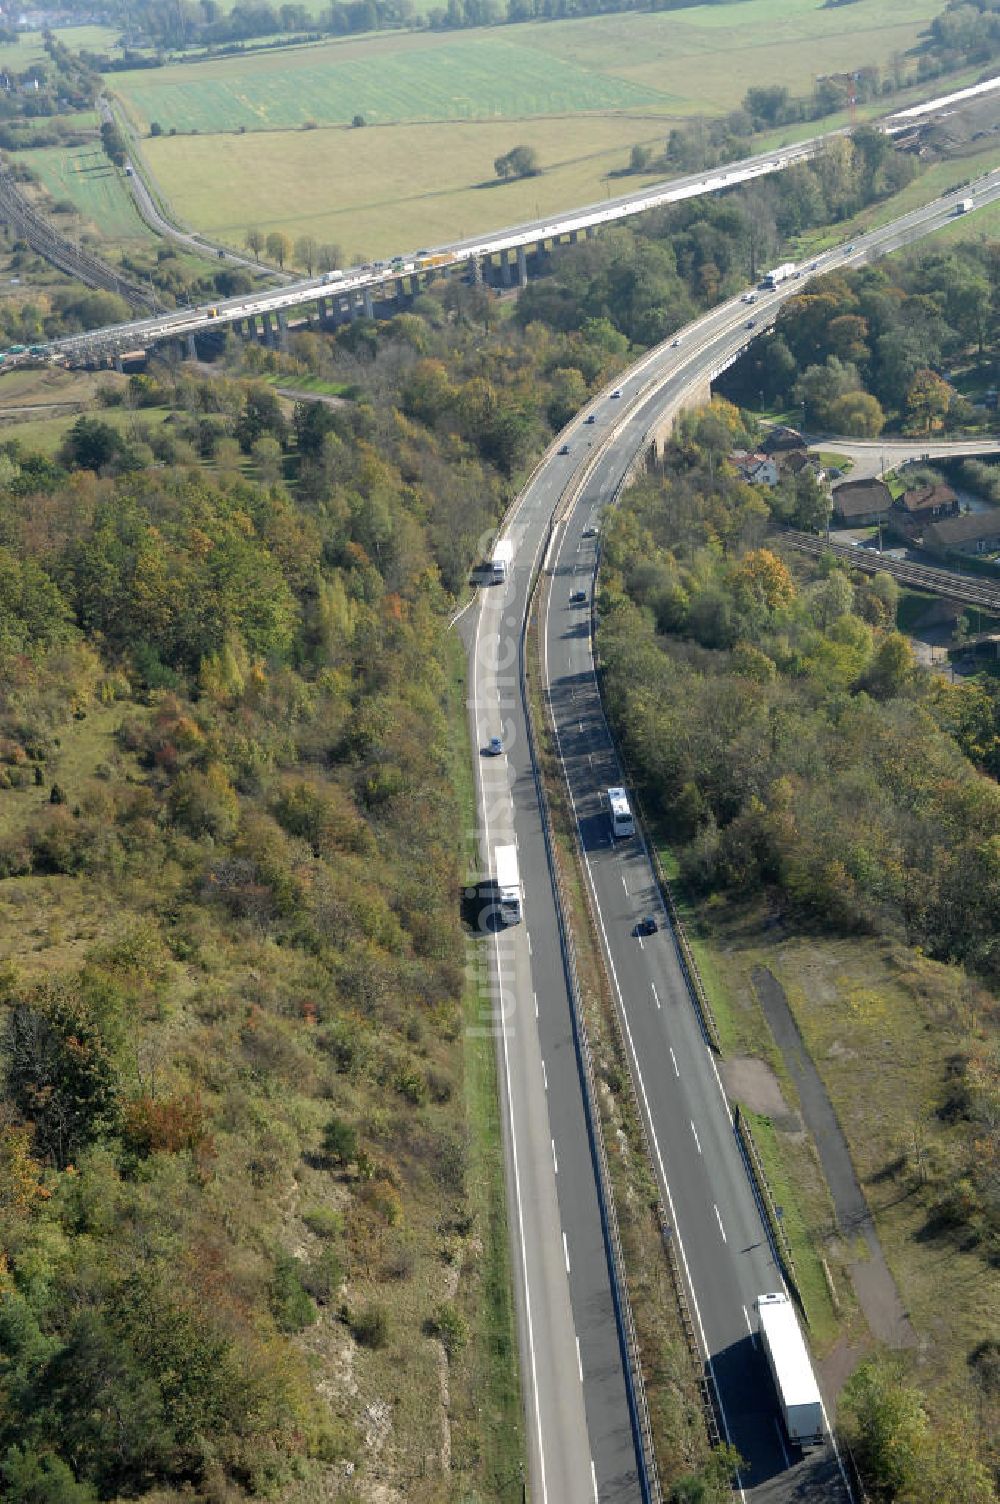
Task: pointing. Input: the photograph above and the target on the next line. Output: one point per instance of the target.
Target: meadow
(682, 62)
(321, 182)
(441, 108)
(86, 177)
(28, 48)
(407, 78)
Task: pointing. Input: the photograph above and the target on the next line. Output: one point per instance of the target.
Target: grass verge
(487, 1427)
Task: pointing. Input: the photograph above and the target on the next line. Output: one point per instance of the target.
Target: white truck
(333, 276)
(791, 1370)
(963, 206)
(500, 563)
(508, 881)
(779, 274)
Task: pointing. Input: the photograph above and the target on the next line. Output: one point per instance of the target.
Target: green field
(323, 182)
(28, 48)
(419, 79)
(84, 175)
(678, 62)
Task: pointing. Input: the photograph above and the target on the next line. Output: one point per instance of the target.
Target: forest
(236, 1164)
(857, 352)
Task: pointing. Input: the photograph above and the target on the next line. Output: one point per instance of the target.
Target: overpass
(500, 257)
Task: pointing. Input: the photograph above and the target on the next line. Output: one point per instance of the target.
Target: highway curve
(724, 1249)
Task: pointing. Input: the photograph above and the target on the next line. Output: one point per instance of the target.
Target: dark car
(647, 925)
(564, 449)
(578, 598)
(590, 418)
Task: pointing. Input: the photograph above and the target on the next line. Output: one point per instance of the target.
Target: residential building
(858, 503)
(969, 533)
(928, 503)
(758, 469)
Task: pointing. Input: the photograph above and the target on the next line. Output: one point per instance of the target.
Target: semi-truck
(500, 563)
(779, 274)
(963, 206)
(791, 1370)
(508, 881)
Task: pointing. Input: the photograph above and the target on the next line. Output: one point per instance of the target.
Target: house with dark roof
(781, 437)
(856, 503)
(928, 503)
(969, 533)
(794, 461)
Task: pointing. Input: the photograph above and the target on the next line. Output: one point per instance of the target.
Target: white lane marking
(753, 1334)
(593, 1475)
(579, 1360)
(528, 937)
(625, 885)
(641, 946)
(638, 1076)
(673, 1057)
(545, 1076)
(698, 1147)
(719, 1220)
(555, 1162)
(566, 1252)
(657, 997)
(580, 724)
(535, 996)
(515, 1163)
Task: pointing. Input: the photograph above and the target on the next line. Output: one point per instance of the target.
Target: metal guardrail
(779, 1238)
(634, 1384)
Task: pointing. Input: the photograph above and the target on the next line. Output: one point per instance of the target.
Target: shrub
(340, 1141)
(291, 1306)
(323, 1221)
(324, 1275)
(449, 1327)
(370, 1327)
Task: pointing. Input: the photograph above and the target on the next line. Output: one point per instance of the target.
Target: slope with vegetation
(251, 1213)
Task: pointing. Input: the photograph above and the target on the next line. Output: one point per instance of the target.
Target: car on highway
(589, 532)
(675, 342)
(564, 449)
(590, 418)
(751, 323)
(494, 746)
(749, 297)
(646, 926)
(850, 248)
(578, 598)
(617, 392)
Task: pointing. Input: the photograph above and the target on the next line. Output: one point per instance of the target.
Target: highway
(580, 1440)
(355, 282)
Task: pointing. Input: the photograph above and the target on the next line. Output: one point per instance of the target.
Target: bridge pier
(281, 319)
(590, 231)
(192, 348)
(369, 303)
(119, 367)
(476, 268)
(505, 268)
(522, 267)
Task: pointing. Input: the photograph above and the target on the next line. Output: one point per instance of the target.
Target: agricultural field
(29, 49)
(439, 109)
(484, 75)
(85, 176)
(320, 182)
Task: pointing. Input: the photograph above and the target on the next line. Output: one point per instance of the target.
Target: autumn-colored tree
(928, 399)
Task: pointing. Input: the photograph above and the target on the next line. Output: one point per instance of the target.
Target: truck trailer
(508, 881)
(773, 279)
(500, 563)
(963, 206)
(791, 1370)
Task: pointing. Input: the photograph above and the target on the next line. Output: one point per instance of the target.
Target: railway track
(25, 220)
(944, 582)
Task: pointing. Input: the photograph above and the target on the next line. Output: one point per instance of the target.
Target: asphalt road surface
(579, 1434)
